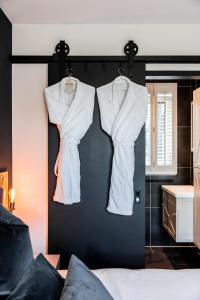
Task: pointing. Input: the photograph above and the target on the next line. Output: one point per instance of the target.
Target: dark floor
(164, 258)
(172, 258)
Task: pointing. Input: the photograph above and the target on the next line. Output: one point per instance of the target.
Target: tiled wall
(155, 233)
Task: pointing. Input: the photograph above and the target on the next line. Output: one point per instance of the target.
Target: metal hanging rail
(62, 50)
(45, 59)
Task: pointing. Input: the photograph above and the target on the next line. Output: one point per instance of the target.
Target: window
(161, 129)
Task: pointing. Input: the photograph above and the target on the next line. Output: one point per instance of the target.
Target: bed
(123, 284)
(151, 284)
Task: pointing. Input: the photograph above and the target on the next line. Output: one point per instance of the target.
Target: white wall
(30, 150)
(107, 39)
(29, 114)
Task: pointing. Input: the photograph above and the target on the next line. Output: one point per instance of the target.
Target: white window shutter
(161, 129)
(148, 133)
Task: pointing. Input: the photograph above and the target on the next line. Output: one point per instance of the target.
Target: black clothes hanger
(69, 71)
(121, 71)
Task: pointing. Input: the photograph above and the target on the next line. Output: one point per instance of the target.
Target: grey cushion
(82, 284)
(40, 282)
(15, 251)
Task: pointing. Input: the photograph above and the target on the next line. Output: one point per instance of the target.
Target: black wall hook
(131, 50)
(62, 51)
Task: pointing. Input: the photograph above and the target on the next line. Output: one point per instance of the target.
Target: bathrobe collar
(114, 82)
(63, 93)
(75, 102)
(129, 99)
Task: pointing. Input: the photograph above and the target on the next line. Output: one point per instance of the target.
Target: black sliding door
(99, 238)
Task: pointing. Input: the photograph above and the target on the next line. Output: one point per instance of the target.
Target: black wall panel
(5, 95)
(86, 229)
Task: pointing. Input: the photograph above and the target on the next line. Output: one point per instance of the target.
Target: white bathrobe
(73, 114)
(123, 108)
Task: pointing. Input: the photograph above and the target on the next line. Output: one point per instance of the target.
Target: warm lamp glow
(12, 194)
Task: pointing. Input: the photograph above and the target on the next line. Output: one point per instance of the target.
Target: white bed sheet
(151, 284)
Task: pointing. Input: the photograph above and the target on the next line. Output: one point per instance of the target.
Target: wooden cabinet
(169, 213)
(177, 212)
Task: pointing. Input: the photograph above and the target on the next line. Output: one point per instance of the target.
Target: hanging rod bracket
(62, 48)
(131, 50)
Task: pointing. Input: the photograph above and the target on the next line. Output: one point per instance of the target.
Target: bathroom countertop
(183, 191)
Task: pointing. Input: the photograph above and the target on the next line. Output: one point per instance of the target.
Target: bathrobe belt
(65, 141)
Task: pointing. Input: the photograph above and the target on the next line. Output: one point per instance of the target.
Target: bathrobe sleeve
(56, 108)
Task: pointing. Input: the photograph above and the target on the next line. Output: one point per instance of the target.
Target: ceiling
(102, 11)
